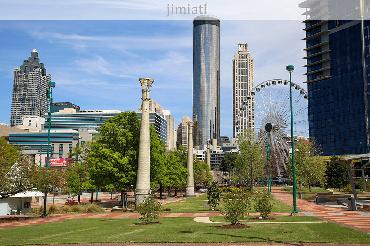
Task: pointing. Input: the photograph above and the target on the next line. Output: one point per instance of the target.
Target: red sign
(60, 162)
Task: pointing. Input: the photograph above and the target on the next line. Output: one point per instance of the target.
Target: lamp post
(51, 85)
(268, 128)
(290, 69)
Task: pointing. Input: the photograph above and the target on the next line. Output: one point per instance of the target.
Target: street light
(51, 85)
(290, 69)
(268, 128)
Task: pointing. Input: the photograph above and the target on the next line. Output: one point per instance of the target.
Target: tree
(16, 170)
(50, 179)
(77, 177)
(249, 165)
(177, 171)
(113, 157)
(202, 174)
(228, 162)
(158, 162)
(337, 173)
(310, 166)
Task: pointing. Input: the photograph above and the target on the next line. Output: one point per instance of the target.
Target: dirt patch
(235, 226)
(268, 218)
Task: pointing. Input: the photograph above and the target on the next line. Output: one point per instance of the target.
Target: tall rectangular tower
(206, 79)
(337, 82)
(29, 96)
(243, 100)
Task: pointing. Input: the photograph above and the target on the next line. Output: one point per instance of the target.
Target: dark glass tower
(206, 79)
(337, 82)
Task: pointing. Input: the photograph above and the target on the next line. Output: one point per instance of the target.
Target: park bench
(324, 197)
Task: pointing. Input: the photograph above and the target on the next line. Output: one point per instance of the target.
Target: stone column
(143, 171)
(190, 183)
(208, 153)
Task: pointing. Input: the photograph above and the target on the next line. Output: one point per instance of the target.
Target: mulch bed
(235, 226)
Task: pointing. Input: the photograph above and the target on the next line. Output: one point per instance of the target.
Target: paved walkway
(356, 219)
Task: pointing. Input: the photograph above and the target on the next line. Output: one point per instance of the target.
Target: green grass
(199, 204)
(190, 204)
(306, 193)
(174, 230)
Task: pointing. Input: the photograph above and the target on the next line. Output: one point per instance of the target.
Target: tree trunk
(160, 191)
(175, 192)
(92, 197)
(122, 199)
(79, 198)
(251, 176)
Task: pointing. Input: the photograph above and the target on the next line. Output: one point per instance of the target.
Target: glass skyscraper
(337, 83)
(206, 79)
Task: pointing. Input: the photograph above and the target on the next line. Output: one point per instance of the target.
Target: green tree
(202, 174)
(177, 171)
(77, 176)
(228, 162)
(249, 165)
(310, 166)
(16, 170)
(113, 156)
(337, 173)
(158, 162)
(52, 180)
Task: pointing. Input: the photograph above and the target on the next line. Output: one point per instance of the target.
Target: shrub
(213, 195)
(235, 205)
(149, 210)
(93, 208)
(53, 210)
(263, 204)
(347, 189)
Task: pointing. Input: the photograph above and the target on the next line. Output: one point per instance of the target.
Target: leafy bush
(93, 208)
(263, 204)
(347, 188)
(149, 210)
(235, 205)
(53, 210)
(213, 195)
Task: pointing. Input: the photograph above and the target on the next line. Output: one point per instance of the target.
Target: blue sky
(96, 64)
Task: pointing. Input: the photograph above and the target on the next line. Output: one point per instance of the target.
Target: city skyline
(94, 63)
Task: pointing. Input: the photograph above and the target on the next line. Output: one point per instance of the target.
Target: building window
(60, 150)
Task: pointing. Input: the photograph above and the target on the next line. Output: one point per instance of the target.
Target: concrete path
(355, 219)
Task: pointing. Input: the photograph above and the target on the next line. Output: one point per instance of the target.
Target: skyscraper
(29, 90)
(206, 79)
(337, 83)
(182, 132)
(243, 79)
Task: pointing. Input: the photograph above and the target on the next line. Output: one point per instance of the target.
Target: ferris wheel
(272, 107)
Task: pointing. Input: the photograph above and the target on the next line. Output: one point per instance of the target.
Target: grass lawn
(199, 204)
(175, 230)
(306, 193)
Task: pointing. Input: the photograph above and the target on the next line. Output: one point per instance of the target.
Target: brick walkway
(356, 219)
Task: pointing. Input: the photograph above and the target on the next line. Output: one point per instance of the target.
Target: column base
(141, 195)
(190, 191)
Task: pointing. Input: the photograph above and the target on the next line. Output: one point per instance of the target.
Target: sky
(96, 64)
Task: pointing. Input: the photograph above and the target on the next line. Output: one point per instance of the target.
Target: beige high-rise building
(171, 138)
(182, 132)
(243, 80)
